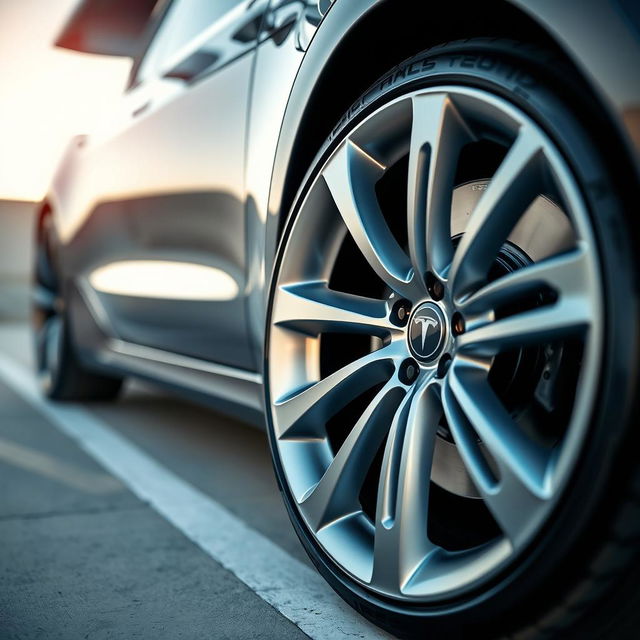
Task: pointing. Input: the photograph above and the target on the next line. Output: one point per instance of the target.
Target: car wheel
(451, 355)
(60, 373)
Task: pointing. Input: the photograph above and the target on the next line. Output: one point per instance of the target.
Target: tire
(575, 573)
(61, 374)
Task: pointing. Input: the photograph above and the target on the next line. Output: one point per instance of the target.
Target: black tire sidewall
(555, 561)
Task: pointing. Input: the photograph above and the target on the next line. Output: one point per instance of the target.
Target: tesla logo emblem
(426, 323)
(426, 332)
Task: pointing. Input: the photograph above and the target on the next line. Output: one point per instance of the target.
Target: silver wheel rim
(518, 479)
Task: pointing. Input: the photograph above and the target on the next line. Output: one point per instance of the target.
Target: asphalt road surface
(147, 518)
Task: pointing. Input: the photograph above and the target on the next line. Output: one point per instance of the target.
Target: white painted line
(291, 587)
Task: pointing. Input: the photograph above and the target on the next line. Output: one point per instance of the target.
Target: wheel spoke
(313, 308)
(466, 441)
(337, 493)
(514, 186)
(438, 134)
(514, 505)
(569, 316)
(44, 299)
(565, 274)
(303, 413)
(351, 176)
(41, 344)
(495, 427)
(401, 544)
(49, 339)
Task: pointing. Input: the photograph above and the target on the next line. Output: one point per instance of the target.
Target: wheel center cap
(426, 332)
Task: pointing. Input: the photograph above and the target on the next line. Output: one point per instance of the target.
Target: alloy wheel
(46, 308)
(435, 335)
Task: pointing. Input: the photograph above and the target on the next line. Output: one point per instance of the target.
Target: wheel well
(355, 64)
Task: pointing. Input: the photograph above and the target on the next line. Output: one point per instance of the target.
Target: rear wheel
(443, 349)
(61, 374)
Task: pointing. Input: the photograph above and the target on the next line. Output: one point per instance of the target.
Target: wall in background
(47, 94)
(16, 250)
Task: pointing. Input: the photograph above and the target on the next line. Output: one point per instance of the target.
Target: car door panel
(165, 192)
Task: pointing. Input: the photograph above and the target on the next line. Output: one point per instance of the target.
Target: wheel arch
(341, 52)
(45, 209)
(48, 208)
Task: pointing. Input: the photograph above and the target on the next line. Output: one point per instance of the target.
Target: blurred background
(47, 95)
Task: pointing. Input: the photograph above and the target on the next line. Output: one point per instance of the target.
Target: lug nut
(458, 324)
(400, 313)
(408, 371)
(443, 365)
(434, 286)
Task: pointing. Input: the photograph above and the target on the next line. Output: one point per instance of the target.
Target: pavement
(150, 517)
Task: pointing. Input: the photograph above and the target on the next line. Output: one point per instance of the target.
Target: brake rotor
(544, 230)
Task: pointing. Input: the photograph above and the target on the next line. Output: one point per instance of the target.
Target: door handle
(193, 66)
(138, 111)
